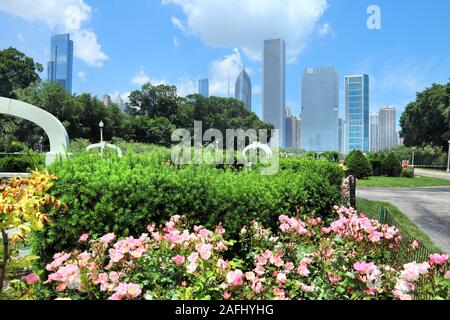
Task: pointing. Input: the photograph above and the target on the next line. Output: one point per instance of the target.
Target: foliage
(119, 195)
(392, 167)
(400, 182)
(17, 71)
(426, 121)
(358, 165)
(407, 172)
(305, 258)
(23, 202)
(21, 163)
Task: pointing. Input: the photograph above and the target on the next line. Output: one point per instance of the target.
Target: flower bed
(305, 258)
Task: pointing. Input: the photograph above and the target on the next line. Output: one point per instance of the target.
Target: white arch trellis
(57, 134)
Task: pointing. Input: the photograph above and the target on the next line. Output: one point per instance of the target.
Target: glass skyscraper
(203, 87)
(388, 128)
(243, 89)
(274, 85)
(59, 68)
(374, 139)
(320, 109)
(357, 112)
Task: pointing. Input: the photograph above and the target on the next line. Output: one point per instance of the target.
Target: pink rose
(281, 278)
(364, 267)
(437, 258)
(84, 237)
(178, 260)
(234, 278)
(31, 279)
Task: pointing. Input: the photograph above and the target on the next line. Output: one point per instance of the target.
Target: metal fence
(405, 253)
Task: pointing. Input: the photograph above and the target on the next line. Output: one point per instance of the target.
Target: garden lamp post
(448, 162)
(101, 125)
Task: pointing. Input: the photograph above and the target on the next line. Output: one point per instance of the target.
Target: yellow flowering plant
(22, 203)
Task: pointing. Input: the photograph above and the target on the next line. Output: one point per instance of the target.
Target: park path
(432, 173)
(428, 208)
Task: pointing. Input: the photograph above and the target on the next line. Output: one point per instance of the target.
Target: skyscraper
(374, 136)
(357, 112)
(203, 87)
(120, 103)
(107, 100)
(59, 68)
(274, 87)
(320, 109)
(388, 128)
(341, 128)
(243, 89)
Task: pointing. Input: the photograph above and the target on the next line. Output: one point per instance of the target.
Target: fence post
(352, 187)
(382, 215)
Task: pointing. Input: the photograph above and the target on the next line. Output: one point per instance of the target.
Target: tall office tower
(120, 103)
(203, 87)
(341, 140)
(298, 135)
(243, 89)
(107, 100)
(289, 129)
(388, 128)
(357, 112)
(274, 86)
(374, 134)
(320, 113)
(59, 68)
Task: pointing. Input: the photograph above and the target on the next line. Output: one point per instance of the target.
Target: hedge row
(124, 195)
(21, 163)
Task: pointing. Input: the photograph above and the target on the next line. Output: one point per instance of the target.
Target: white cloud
(141, 78)
(325, 30)
(176, 42)
(246, 23)
(20, 37)
(82, 75)
(186, 86)
(124, 96)
(66, 16)
(88, 49)
(223, 72)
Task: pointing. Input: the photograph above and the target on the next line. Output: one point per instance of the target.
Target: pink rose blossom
(364, 267)
(234, 278)
(281, 278)
(178, 260)
(84, 237)
(31, 279)
(437, 258)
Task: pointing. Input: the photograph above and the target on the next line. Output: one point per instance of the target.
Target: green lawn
(372, 209)
(389, 182)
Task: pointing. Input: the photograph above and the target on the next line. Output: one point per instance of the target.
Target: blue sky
(121, 44)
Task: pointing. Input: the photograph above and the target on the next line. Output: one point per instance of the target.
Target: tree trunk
(5, 259)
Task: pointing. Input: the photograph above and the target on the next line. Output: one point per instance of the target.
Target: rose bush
(306, 258)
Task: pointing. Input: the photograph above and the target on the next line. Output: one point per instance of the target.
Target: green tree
(426, 121)
(154, 131)
(392, 166)
(358, 165)
(17, 71)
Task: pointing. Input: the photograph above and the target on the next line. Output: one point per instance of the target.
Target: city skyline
(397, 66)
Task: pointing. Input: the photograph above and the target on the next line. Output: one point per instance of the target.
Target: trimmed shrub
(392, 166)
(124, 195)
(407, 172)
(21, 163)
(377, 167)
(358, 165)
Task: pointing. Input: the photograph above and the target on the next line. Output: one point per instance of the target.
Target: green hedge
(124, 195)
(21, 163)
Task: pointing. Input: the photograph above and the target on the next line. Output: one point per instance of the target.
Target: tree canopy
(17, 71)
(426, 121)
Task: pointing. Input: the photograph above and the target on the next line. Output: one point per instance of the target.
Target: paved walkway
(432, 173)
(428, 208)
